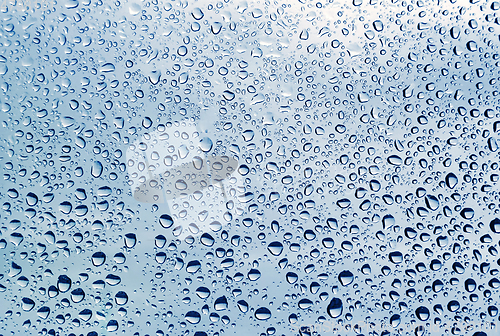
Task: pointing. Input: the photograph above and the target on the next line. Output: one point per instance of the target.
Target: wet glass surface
(249, 167)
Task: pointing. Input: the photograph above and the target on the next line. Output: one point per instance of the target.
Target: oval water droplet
(495, 225)
(108, 67)
(275, 248)
(334, 308)
(98, 259)
(395, 160)
(130, 240)
(166, 221)
(96, 169)
(63, 283)
(262, 314)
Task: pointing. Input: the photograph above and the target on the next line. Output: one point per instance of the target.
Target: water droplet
(275, 248)
(262, 314)
(130, 240)
(197, 13)
(346, 278)
(495, 225)
(422, 313)
(193, 317)
(334, 308)
(63, 283)
(98, 259)
(166, 221)
(221, 303)
(96, 169)
(108, 67)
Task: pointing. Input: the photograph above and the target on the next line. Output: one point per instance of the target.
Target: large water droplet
(334, 308)
(98, 259)
(262, 314)
(346, 278)
(166, 221)
(96, 169)
(422, 313)
(130, 240)
(63, 283)
(495, 225)
(275, 248)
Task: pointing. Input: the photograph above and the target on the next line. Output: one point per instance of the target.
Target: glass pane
(249, 167)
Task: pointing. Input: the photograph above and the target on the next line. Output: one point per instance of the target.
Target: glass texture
(249, 167)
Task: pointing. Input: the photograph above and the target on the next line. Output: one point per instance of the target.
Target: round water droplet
(119, 258)
(291, 277)
(346, 278)
(181, 185)
(121, 298)
(98, 259)
(395, 320)
(453, 306)
(112, 326)
(160, 241)
(253, 274)
(31, 199)
(334, 308)
(262, 314)
(206, 144)
(422, 313)
(166, 221)
(216, 27)
(495, 225)
(197, 13)
(437, 286)
(207, 240)
(77, 295)
(203, 292)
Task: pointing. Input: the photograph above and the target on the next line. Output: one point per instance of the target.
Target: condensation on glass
(249, 167)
